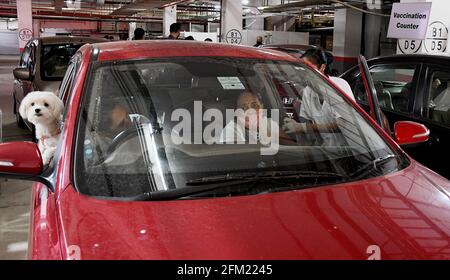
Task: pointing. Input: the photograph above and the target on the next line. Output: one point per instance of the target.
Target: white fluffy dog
(43, 109)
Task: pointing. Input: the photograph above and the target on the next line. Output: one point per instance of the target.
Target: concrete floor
(15, 196)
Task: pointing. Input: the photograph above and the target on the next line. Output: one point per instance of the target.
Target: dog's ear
(24, 105)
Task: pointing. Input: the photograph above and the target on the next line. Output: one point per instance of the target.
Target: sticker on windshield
(231, 83)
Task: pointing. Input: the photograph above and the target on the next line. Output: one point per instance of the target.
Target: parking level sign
(436, 41)
(25, 34)
(233, 36)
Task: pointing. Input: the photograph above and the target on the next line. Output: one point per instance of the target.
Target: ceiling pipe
(174, 3)
(80, 16)
(294, 6)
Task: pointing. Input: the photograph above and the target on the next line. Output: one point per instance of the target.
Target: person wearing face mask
(320, 121)
(322, 60)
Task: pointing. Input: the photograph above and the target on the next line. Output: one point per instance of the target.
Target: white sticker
(231, 83)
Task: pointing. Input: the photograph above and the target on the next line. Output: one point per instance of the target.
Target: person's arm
(291, 126)
(285, 139)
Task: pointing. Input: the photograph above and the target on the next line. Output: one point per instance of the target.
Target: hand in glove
(291, 126)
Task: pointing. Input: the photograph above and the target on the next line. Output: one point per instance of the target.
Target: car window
(439, 98)
(394, 85)
(161, 125)
(67, 81)
(25, 57)
(55, 59)
(31, 59)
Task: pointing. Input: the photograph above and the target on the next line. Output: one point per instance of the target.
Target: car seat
(401, 102)
(384, 96)
(441, 111)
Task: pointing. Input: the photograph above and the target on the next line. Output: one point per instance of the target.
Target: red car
(127, 183)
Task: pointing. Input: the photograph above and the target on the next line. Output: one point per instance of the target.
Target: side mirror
(406, 132)
(20, 158)
(22, 161)
(22, 73)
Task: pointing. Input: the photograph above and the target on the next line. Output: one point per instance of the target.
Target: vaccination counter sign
(409, 21)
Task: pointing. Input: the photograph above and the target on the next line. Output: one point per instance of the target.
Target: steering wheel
(120, 138)
(128, 134)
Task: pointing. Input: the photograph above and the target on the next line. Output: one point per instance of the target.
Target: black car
(415, 88)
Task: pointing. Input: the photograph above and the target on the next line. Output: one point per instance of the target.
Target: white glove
(291, 126)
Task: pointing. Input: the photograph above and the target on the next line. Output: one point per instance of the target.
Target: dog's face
(41, 107)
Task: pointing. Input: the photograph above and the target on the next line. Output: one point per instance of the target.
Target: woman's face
(251, 106)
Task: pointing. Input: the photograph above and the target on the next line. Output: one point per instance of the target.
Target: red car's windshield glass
(165, 125)
(55, 60)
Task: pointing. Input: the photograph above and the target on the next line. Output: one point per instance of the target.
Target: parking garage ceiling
(152, 9)
(111, 9)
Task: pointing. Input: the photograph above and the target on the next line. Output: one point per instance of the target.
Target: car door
(435, 105)
(370, 90)
(396, 84)
(21, 87)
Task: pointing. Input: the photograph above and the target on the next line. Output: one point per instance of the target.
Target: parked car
(151, 185)
(42, 66)
(296, 50)
(413, 88)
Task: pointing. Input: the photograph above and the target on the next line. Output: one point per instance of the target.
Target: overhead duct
(294, 6)
(140, 6)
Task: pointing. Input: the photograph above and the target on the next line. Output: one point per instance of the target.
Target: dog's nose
(37, 111)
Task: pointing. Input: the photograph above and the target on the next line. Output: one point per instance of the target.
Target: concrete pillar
(169, 17)
(372, 35)
(346, 38)
(25, 18)
(132, 27)
(231, 24)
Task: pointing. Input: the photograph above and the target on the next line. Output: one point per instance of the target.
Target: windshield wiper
(263, 175)
(371, 166)
(207, 184)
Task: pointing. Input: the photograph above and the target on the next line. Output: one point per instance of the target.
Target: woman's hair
(319, 57)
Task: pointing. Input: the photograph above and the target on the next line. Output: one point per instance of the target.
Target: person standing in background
(322, 61)
(175, 29)
(139, 34)
(259, 42)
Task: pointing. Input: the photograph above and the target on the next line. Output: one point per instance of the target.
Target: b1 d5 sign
(409, 20)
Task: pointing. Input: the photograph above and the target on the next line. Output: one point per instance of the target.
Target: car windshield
(173, 125)
(55, 60)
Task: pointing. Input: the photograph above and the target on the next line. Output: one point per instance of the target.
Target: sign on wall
(233, 36)
(25, 34)
(409, 21)
(407, 46)
(436, 40)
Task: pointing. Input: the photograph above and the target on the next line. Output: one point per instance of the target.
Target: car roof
(291, 46)
(412, 58)
(70, 39)
(126, 50)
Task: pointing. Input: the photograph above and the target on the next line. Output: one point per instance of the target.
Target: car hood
(405, 215)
